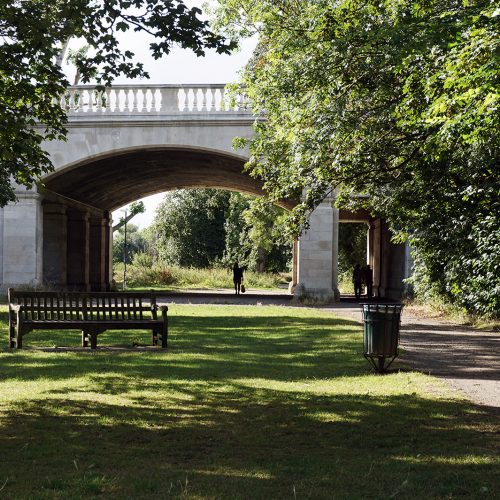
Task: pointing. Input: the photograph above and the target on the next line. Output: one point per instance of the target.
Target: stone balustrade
(152, 99)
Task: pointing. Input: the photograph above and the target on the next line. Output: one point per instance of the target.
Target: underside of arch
(111, 182)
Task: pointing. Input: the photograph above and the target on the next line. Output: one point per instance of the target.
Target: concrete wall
(21, 241)
(317, 272)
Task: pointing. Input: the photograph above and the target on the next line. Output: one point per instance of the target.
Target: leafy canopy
(32, 36)
(396, 99)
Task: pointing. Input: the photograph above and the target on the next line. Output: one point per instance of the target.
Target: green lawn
(248, 402)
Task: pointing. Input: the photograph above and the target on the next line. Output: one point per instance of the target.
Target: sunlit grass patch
(247, 402)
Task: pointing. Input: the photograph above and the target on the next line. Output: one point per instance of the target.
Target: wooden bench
(92, 313)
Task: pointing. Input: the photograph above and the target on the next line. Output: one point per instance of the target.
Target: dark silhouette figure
(367, 277)
(356, 279)
(237, 277)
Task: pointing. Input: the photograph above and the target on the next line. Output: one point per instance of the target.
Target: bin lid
(381, 308)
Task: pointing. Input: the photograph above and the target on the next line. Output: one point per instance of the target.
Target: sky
(180, 66)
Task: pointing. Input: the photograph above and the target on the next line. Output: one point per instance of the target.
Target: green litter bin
(381, 334)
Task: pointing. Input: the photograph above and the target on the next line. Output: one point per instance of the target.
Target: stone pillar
(22, 241)
(395, 267)
(295, 255)
(78, 250)
(108, 269)
(388, 262)
(369, 244)
(97, 253)
(318, 254)
(375, 257)
(335, 253)
(55, 241)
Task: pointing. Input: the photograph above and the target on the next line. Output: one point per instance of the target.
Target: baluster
(62, 102)
(121, 100)
(189, 100)
(153, 100)
(140, 96)
(113, 104)
(204, 100)
(71, 101)
(98, 100)
(83, 100)
(218, 105)
(125, 97)
(183, 100)
(91, 100)
(198, 96)
(226, 101)
(106, 100)
(146, 98)
(134, 101)
(210, 99)
(77, 101)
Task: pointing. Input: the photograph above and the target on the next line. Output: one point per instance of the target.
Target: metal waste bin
(381, 334)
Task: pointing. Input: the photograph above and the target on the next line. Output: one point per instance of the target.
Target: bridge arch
(78, 198)
(116, 178)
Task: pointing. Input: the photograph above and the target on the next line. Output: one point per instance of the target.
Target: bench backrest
(89, 306)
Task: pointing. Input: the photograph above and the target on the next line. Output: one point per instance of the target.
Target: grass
(161, 276)
(248, 402)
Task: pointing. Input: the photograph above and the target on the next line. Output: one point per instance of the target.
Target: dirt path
(467, 359)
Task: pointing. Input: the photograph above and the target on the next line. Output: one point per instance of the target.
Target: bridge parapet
(152, 100)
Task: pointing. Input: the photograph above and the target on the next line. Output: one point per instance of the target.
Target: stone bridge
(131, 141)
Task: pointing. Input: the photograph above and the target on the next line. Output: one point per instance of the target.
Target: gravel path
(467, 359)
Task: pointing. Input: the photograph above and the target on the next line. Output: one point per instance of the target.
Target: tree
(133, 209)
(33, 34)
(396, 99)
(203, 227)
(352, 247)
(190, 227)
(136, 243)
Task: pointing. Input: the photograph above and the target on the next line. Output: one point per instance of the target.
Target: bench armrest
(163, 310)
(15, 307)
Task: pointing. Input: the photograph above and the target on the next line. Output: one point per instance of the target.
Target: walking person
(368, 280)
(356, 279)
(237, 277)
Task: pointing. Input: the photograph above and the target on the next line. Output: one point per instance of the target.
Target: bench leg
(12, 336)
(164, 335)
(19, 340)
(85, 339)
(155, 337)
(93, 340)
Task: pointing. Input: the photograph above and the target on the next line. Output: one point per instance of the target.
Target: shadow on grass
(247, 443)
(227, 412)
(279, 347)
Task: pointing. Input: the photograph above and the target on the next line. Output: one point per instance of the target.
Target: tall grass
(158, 275)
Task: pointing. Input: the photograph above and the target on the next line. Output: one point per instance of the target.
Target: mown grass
(248, 402)
(162, 276)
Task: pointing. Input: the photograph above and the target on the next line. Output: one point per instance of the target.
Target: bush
(142, 259)
(174, 276)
